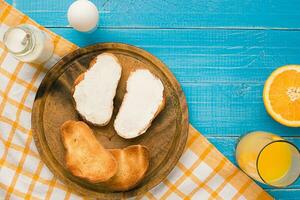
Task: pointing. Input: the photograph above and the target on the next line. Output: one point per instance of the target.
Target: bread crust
(85, 157)
(81, 78)
(133, 164)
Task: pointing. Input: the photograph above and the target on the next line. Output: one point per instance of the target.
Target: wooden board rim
(46, 154)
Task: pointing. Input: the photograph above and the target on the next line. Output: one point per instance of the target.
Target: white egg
(83, 15)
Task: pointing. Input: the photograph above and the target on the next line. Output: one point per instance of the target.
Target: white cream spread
(141, 102)
(95, 93)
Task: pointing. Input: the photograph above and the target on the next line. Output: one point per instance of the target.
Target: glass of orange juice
(268, 158)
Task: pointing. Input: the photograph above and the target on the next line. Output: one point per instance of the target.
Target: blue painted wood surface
(221, 51)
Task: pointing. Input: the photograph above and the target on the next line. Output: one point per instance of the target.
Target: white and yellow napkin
(202, 172)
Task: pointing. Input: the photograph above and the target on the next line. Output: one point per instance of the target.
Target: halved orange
(282, 95)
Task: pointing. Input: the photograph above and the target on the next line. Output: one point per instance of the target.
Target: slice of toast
(143, 101)
(85, 156)
(133, 164)
(95, 89)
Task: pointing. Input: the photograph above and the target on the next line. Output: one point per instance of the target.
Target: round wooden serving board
(165, 139)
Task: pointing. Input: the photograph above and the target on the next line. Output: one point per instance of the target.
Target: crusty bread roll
(85, 156)
(143, 100)
(133, 164)
(96, 88)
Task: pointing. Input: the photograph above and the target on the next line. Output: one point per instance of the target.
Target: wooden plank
(174, 14)
(226, 145)
(284, 194)
(10, 1)
(222, 72)
(207, 55)
(230, 109)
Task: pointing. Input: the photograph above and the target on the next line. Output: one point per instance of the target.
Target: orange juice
(268, 158)
(248, 149)
(274, 161)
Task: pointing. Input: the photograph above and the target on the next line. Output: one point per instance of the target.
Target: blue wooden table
(221, 51)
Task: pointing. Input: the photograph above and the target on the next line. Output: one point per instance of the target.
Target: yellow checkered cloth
(202, 172)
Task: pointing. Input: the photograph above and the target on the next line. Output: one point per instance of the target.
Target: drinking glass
(268, 158)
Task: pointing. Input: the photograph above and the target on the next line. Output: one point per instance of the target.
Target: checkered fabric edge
(202, 172)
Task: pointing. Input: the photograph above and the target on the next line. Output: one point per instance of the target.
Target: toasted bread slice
(85, 156)
(95, 89)
(133, 164)
(143, 100)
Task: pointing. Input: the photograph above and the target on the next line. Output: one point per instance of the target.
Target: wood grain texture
(221, 51)
(53, 105)
(174, 14)
(284, 194)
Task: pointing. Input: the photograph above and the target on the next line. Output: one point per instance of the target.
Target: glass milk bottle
(28, 44)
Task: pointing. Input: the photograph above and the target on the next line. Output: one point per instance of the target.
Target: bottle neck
(19, 40)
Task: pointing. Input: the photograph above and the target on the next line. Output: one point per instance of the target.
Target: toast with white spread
(143, 101)
(94, 90)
